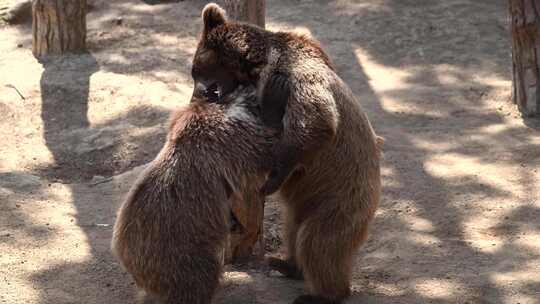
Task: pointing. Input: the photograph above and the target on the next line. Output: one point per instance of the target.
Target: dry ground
(459, 220)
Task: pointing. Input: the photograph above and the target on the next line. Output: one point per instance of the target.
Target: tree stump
(58, 27)
(246, 240)
(251, 11)
(525, 29)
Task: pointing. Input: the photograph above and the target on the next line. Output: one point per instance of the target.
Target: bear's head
(228, 54)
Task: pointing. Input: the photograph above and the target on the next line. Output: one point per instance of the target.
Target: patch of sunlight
(520, 298)
(164, 74)
(477, 229)
(496, 129)
(430, 145)
(437, 288)
(386, 80)
(490, 246)
(380, 254)
(237, 277)
(345, 7)
(453, 165)
(379, 212)
(488, 78)
(418, 224)
(387, 171)
(123, 93)
(115, 58)
(388, 289)
(388, 174)
(423, 239)
(65, 241)
(187, 44)
(529, 238)
(527, 275)
(17, 289)
(448, 74)
(420, 230)
(22, 71)
(139, 7)
(520, 282)
(56, 211)
(451, 75)
(382, 78)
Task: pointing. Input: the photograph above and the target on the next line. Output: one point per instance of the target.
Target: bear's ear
(213, 15)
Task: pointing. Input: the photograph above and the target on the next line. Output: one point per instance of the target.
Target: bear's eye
(213, 93)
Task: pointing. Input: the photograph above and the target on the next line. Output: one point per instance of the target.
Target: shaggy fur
(171, 229)
(327, 159)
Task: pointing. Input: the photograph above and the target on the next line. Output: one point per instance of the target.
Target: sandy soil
(459, 220)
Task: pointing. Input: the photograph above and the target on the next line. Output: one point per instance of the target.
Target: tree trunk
(58, 26)
(247, 239)
(251, 11)
(525, 28)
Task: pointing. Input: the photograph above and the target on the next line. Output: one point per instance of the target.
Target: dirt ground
(459, 220)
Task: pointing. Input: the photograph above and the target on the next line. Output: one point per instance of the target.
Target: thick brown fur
(328, 158)
(171, 229)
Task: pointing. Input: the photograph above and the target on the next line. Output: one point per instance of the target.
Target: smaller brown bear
(171, 230)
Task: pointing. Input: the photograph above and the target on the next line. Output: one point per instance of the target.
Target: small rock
(20, 45)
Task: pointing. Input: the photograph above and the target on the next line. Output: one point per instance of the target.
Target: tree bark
(58, 27)
(251, 11)
(525, 29)
(247, 240)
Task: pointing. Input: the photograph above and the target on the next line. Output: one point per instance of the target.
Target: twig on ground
(13, 87)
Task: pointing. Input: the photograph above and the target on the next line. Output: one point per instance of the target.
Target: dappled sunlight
(387, 289)
(398, 88)
(519, 277)
(348, 8)
(237, 277)
(382, 78)
(438, 288)
(419, 224)
(22, 286)
(111, 101)
(51, 211)
(166, 39)
(422, 239)
(40, 229)
(453, 165)
(518, 280)
(458, 218)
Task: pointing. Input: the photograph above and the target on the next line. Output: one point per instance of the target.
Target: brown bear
(171, 229)
(327, 159)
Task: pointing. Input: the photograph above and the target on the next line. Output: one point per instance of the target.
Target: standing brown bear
(327, 158)
(171, 230)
